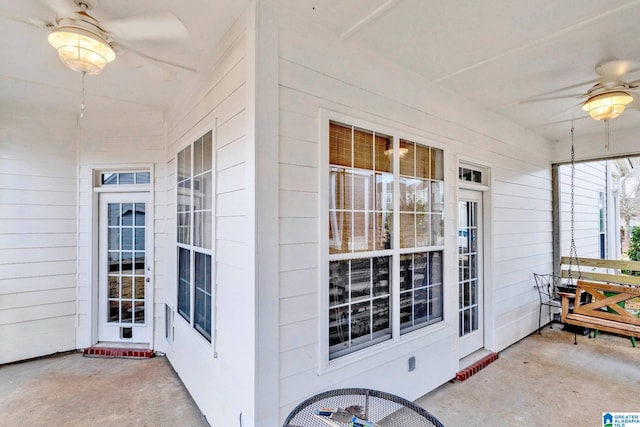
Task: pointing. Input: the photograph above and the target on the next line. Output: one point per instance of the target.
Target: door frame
(94, 242)
(107, 334)
(487, 244)
(474, 196)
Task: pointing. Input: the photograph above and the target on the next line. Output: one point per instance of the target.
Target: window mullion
(352, 197)
(394, 287)
(192, 262)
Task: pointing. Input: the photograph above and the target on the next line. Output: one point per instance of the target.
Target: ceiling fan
(608, 97)
(87, 45)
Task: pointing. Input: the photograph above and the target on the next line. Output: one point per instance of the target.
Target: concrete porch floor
(545, 380)
(72, 390)
(541, 380)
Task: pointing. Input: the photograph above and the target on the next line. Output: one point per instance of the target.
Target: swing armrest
(567, 298)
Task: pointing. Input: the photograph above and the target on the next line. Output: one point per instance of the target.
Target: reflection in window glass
(184, 283)
(360, 195)
(420, 194)
(143, 178)
(126, 266)
(470, 175)
(359, 303)
(109, 178)
(125, 178)
(420, 290)
(202, 312)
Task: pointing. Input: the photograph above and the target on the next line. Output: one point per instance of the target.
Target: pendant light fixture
(608, 105)
(81, 43)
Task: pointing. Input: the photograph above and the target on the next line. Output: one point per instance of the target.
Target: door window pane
(468, 266)
(125, 265)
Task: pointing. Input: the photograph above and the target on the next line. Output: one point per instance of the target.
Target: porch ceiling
(495, 53)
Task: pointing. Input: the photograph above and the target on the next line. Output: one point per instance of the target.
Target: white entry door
(124, 294)
(470, 283)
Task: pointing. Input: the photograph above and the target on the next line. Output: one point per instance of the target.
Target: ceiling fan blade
(635, 104)
(634, 84)
(557, 122)
(26, 21)
(61, 7)
(550, 98)
(557, 93)
(158, 26)
(615, 69)
(120, 46)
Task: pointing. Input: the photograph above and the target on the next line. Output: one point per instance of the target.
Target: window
(470, 175)
(380, 218)
(124, 178)
(195, 233)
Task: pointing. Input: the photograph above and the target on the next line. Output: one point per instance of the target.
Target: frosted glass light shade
(607, 105)
(81, 50)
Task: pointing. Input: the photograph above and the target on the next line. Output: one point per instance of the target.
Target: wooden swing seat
(613, 302)
(606, 310)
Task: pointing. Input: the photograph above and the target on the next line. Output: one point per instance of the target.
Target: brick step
(476, 367)
(115, 352)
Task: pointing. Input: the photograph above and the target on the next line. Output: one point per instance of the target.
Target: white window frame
(190, 141)
(99, 170)
(415, 336)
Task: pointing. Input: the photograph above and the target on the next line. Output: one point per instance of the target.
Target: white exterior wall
(219, 375)
(589, 179)
(37, 234)
(318, 71)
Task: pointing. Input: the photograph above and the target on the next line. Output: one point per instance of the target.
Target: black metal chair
(377, 407)
(547, 285)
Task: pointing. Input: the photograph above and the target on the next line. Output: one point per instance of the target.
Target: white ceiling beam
(381, 10)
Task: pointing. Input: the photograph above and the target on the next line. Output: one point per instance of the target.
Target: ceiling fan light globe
(607, 106)
(81, 50)
(401, 152)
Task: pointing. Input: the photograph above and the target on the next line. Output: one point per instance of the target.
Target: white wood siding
(319, 71)
(590, 179)
(222, 386)
(37, 234)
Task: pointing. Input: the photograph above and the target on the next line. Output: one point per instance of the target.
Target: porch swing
(598, 300)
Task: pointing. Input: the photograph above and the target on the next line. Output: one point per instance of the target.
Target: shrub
(634, 250)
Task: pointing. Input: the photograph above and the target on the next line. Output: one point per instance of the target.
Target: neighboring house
(596, 219)
(627, 192)
(310, 217)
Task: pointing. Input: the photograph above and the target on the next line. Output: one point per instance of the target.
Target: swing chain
(573, 253)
